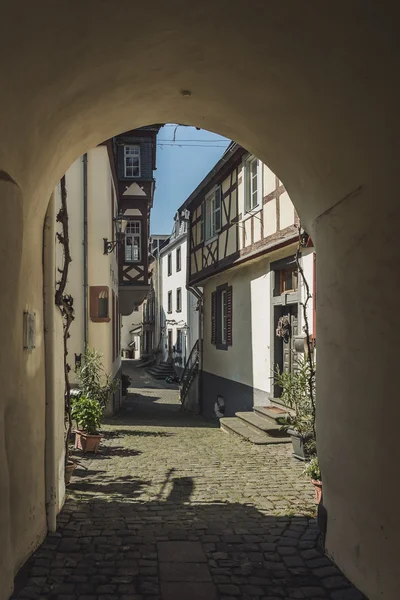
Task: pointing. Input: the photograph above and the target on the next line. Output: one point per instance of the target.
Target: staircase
(258, 427)
(161, 371)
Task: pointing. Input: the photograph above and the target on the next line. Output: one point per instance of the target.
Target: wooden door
(288, 345)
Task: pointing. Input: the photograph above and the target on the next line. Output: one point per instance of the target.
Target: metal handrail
(190, 365)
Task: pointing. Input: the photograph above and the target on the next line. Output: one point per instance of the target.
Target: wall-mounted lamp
(120, 223)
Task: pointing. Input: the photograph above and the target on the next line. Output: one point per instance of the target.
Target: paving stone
(186, 591)
(184, 572)
(180, 552)
(174, 509)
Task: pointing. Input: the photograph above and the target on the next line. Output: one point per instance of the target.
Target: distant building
(179, 315)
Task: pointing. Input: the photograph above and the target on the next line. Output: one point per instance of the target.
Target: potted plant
(313, 470)
(298, 387)
(94, 383)
(87, 412)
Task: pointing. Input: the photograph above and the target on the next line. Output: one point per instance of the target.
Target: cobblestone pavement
(174, 509)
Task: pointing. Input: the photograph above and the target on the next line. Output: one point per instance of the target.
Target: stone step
(261, 424)
(236, 426)
(269, 412)
(158, 373)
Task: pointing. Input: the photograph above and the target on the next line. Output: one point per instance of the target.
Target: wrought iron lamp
(110, 246)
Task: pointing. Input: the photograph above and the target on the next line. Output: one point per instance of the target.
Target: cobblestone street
(174, 509)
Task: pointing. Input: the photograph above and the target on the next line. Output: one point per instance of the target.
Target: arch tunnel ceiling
(302, 85)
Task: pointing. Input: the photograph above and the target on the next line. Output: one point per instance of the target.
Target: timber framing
(242, 235)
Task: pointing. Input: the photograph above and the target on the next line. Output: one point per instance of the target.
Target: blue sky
(181, 165)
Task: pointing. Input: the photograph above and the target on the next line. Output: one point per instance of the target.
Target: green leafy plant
(87, 412)
(93, 380)
(312, 469)
(296, 386)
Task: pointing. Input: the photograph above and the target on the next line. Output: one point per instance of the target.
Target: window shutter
(213, 317)
(217, 209)
(229, 316)
(202, 223)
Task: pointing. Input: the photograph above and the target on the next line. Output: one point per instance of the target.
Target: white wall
(248, 360)
(102, 269)
(307, 262)
(172, 282)
(128, 322)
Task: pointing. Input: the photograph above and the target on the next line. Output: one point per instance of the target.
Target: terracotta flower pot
(318, 490)
(69, 469)
(87, 442)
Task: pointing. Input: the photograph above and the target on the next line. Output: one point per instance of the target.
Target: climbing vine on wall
(65, 304)
(303, 239)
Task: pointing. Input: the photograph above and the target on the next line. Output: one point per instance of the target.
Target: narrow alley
(174, 509)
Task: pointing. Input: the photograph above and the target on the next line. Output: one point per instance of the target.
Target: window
(286, 276)
(178, 259)
(252, 184)
(288, 280)
(132, 161)
(221, 317)
(133, 240)
(170, 302)
(98, 301)
(179, 299)
(169, 264)
(178, 346)
(212, 213)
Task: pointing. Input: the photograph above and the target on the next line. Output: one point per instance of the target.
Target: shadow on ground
(112, 545)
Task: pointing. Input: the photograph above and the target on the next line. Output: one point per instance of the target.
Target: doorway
(170, 345)
(285, 321)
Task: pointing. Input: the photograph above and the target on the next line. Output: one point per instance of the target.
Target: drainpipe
(49, 309)
(85, 254)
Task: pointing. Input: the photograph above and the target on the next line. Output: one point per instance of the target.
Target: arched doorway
(309, 90)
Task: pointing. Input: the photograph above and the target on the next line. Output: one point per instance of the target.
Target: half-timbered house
(135, 159)
(243, 236)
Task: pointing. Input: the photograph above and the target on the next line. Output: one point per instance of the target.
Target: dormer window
(132, 161)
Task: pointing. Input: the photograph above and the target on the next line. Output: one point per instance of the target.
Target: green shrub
(313, 470)
(94, 382)
(87, 412)
(296, 396)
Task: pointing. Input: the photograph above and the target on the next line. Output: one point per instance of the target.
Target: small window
(286, 281)
(169, 264)
(99, 304)
(179, 299)
(170, 302)
(178, 259)
(252, 183)
(213, 213)
(133, 241)
(103, 305)
(132, 161)
(221, 317)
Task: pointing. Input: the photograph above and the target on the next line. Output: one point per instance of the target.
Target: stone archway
(308, 88)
